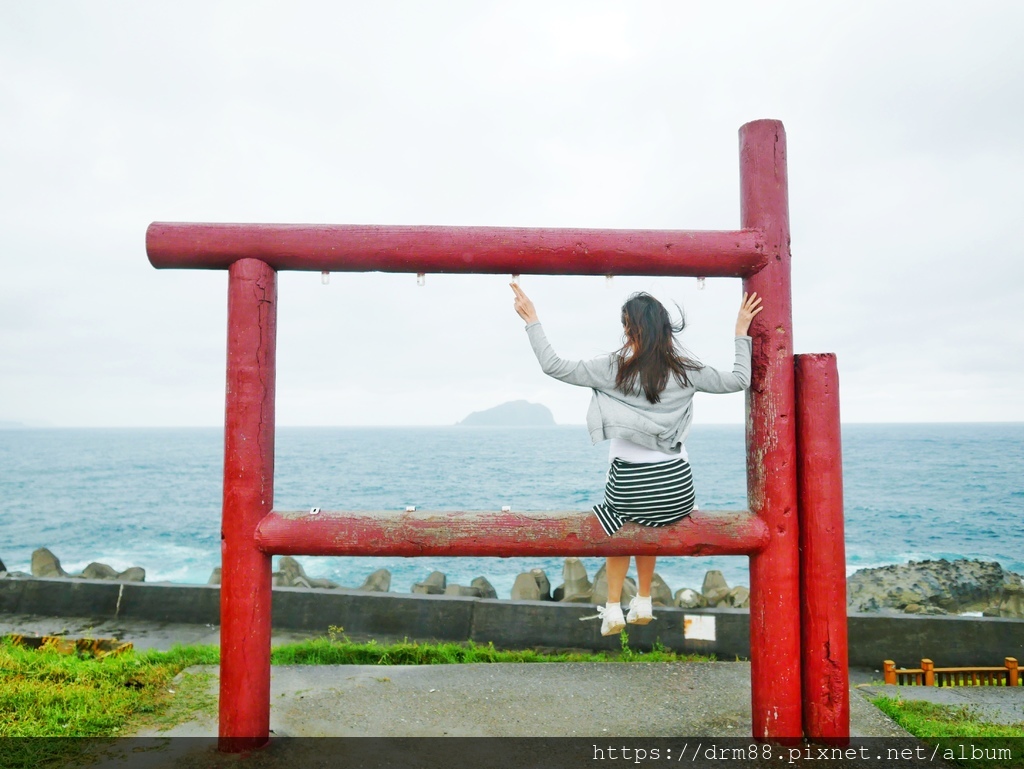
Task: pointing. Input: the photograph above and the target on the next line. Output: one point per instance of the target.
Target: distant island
(512, 414)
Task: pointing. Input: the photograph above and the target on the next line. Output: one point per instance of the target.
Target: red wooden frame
(770, 533)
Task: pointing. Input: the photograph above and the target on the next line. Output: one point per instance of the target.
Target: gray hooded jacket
(661, 426)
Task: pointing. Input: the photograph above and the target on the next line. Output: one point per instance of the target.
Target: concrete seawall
(949, 640)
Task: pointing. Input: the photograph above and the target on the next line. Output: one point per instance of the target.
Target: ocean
(151, 497)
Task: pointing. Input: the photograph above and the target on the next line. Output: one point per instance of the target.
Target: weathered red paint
(245, 591)
(825, 661)
(502, 250)
(771, 441)
(499, 534)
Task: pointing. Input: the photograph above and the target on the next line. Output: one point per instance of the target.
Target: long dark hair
(650, 354)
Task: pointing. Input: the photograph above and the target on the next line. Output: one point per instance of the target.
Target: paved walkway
(589, 700)
(569, 699)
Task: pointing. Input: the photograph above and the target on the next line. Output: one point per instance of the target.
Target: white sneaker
(612, 621)
(640, 610)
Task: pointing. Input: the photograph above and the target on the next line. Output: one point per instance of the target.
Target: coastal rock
(290, 572)
(576, 586)
(532, 585)
(738, 598)
(2, 567)
(599, 589)
(463, 590)
(434, 584)
(690, 599)
(525, 588)
(46, 564)
(324, 584)
(717, 597)
(916, 608)
(661, 593)
(1012, 604)
(378, 582)
(599, 594)
(543, 583)
(486, 588)
(952, 586)
(713, 580)
(214, 577)
(96, 570)
(715, 589)
(132, 574)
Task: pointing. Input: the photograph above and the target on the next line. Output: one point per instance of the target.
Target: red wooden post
(248, 497)
(771, 442)
(825, 666)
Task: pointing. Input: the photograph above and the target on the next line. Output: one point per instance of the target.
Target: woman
(643, 405)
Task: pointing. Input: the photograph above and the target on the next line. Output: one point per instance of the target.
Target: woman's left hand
(524, 307)
(749, 308)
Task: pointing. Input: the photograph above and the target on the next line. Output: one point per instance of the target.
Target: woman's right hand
(750, 307)
(523, 305)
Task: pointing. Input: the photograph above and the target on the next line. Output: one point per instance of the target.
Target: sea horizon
(7, 425)
(151, 496)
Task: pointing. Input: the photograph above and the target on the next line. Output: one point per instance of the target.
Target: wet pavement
(592, 700)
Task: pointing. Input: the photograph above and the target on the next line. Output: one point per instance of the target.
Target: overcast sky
(906, 156)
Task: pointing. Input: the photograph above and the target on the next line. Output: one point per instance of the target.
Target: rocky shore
(926, 587)
(938, 587)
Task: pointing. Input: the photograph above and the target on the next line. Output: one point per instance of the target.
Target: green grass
(44, 693)
(338, 650)
(951, 726)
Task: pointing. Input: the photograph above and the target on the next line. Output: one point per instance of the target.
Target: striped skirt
(656, 494)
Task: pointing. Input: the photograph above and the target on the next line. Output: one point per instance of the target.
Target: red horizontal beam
(503, 535)
(499, 250)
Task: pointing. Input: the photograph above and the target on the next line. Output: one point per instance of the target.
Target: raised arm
(584, 373)
(710, 380)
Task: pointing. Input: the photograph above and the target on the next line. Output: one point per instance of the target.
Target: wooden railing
(929, 675)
